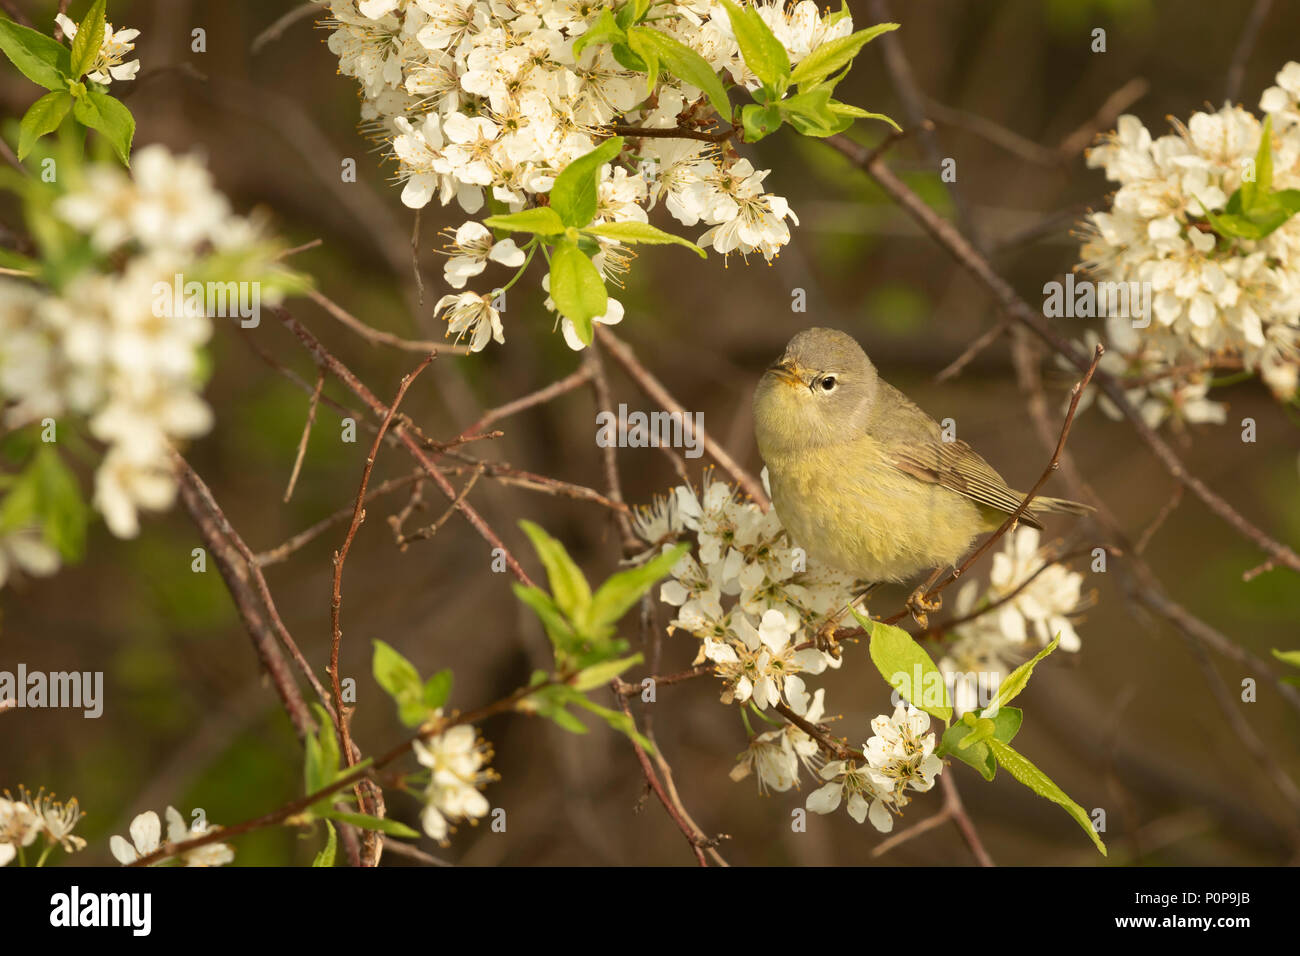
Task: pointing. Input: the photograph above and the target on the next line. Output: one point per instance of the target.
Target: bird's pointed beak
(786, 371)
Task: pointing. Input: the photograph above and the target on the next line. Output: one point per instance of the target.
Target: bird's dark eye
(829, 383)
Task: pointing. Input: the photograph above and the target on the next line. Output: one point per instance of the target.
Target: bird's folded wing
(955, 465)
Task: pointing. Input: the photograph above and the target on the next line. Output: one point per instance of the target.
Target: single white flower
(848, 781)
(146, 838)
(474, 315)
(473, 248)
(19, 826)
(107, 65)
(457, 762)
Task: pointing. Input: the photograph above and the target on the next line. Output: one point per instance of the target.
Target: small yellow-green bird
(861, 478)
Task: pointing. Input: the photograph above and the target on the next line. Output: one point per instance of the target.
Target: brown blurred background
(1128, 724)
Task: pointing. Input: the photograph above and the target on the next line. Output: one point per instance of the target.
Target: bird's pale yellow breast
(848, 506)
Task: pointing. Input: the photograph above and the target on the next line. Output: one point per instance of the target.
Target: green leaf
(1264, 217)
(830, 56)
(41, 59)
(759, 122)
(627, 59)
(395, 674)
(544, 221)
(632, 12)
(620, 721)
(577, 289)
(685, 64)
(1018, 679)
(550, 703)
(568, 585)
(322, 758)
(605, 29)
(600, 674)
(764, 54)
(43, 117)
(648, 54)
(1007, 723)
(558, 630)
(1252, 192)
(907, 667)
(89, 38)
(326, 856)
(981, 731)
(632, 233)
(437, 689)
(107, 116)
(621, 591)
(854, 112)
(573, 196)
(366, 822)
(47, 495)
(1037, 781)
(977, 755)
(1287, 657)
(810, 113)
(839, 14)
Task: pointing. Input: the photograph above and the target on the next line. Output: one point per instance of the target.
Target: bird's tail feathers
(1061, 506)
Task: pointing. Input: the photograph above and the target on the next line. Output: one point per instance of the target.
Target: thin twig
(623, 354)
(609, 453)
(1105, 117)
(413, 443)
(415, 260)
(294, 250)
(203, 494)
(306, 433)
(282, 551)
(378, 337)
(957, 810)
(987, 338)
(341, 555)
(246, 603)
(567, 384)
(423, 534)
(276, 29)
(673, 132)
(912, 832)
(1245, 44)
(696, 840)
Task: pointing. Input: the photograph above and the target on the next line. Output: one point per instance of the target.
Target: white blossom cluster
(753, 599)
(146, 838)
(1216, 299)
(106, 346)
(457, 762)
(480, 100)
(756, 602)
(34, 815)
(1029, 601)
(899, 757)
(1150, 386)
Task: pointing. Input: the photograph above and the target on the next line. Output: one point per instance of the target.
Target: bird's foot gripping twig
(824, 639)
(920, 605)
